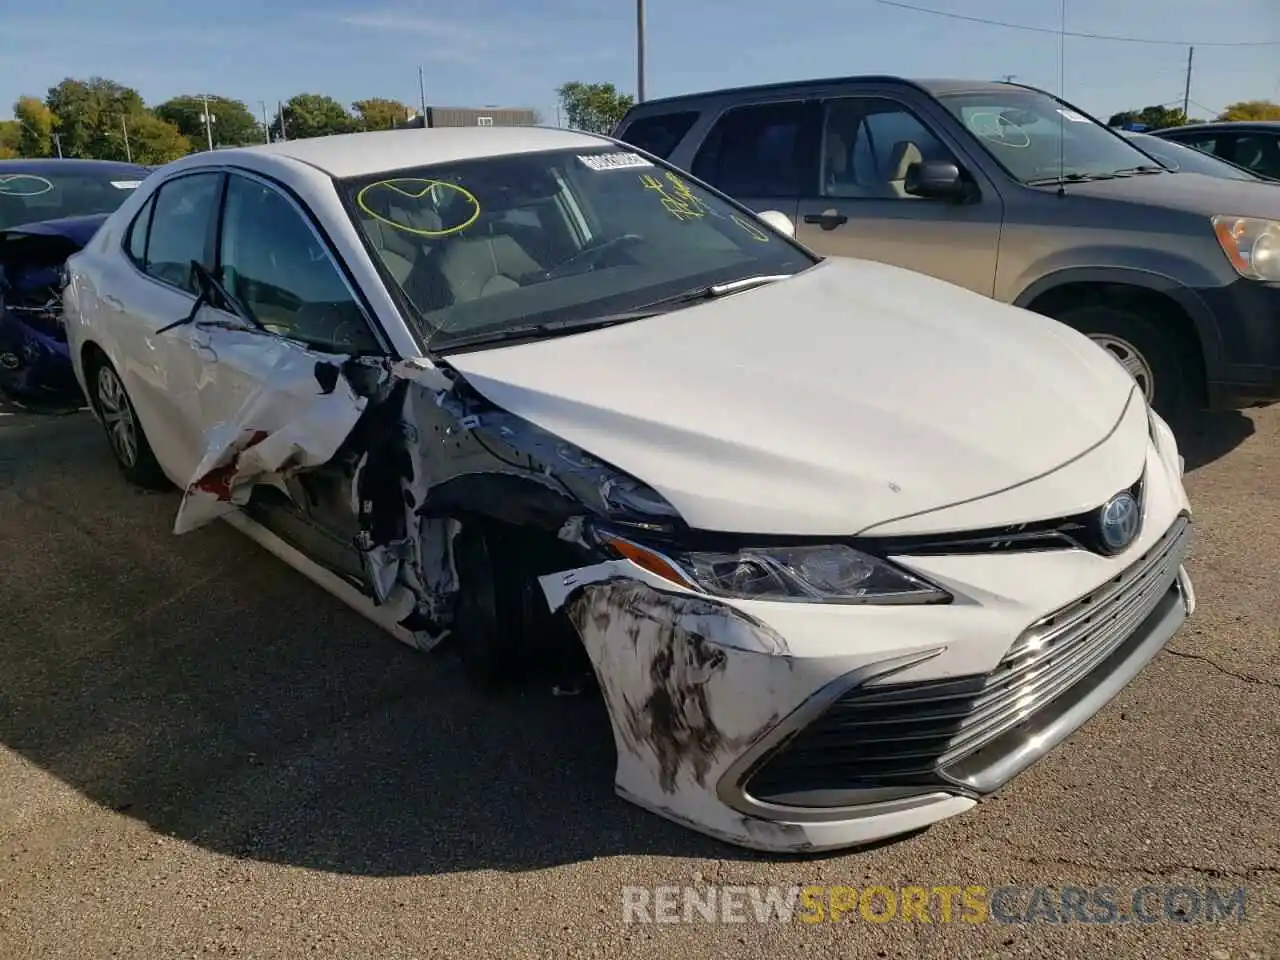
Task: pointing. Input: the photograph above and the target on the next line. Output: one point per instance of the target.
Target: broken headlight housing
(823, 573)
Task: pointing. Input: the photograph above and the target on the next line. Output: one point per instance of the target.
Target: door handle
(828, 219)
(112, 302)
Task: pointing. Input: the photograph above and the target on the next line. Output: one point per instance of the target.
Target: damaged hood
(842, 398)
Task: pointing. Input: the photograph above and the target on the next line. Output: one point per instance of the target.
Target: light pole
(266, 126)
(639, 51)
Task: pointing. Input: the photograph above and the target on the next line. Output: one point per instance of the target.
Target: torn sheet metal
(298, 419)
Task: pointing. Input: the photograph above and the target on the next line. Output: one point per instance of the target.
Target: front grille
(906, 735)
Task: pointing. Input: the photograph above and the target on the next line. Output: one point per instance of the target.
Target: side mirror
(935, 180)
(779, 221)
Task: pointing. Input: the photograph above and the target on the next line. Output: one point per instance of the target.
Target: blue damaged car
(49, 209)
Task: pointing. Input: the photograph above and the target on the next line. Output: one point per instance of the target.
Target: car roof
(933, 87)
(1268, 125)
(360, 154)
(52, 166)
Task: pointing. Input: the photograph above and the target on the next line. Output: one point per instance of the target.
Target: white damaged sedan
(847, 547)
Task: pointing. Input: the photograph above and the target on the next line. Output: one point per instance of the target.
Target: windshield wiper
(1069, 178)
(1145, 168)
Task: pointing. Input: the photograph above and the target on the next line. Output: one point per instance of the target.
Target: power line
(1072, 33)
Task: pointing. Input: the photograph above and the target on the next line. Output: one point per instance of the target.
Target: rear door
(764, 155)
(859, 206)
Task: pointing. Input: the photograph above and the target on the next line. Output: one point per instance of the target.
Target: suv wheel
(1148, 356)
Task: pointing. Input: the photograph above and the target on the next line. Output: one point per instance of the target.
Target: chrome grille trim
(910, 734)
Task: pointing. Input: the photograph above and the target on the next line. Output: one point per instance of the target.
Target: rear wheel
(1148, 355)
(129, 444)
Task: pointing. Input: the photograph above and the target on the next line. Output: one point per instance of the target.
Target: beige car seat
(904, 154)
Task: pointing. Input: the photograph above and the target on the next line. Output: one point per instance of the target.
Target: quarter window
(180, 228)
(281, 273)
(660, 134)
(758, 151)
(138, 234)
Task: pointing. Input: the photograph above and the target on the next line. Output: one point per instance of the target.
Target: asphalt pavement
(202, 754)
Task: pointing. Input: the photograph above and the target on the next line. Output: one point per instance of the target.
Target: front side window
(869, 143)
(182, 228)
(1204, 142)
(1258, 152)
(485, 246)
(1037, 138)
(280, 272)
(757, 151)
(49, 195)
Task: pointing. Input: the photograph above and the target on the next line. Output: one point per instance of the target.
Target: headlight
(814, 574)
(1251, 244)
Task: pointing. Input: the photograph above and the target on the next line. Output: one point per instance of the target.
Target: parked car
(48, 210)
(846, 546)
(1179, 158)
(1013, 193)
(1254, 145)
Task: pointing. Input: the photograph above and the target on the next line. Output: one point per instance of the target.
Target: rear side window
(758, 151)
(1258, 152)
(660, 134)
(181, 228)
(1204, 142)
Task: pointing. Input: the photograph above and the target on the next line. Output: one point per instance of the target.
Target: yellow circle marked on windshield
(415, 188)
(24, 185)
(756, 233)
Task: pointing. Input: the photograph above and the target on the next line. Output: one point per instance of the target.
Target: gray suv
(1016, 194)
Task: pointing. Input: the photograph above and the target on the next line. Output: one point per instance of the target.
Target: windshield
(480, 247)
(1035, 137)
(30, 198)
(1175, 156)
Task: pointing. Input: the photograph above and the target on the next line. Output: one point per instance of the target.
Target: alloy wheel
(117, 416)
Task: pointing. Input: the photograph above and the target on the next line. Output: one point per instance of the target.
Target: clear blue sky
(516, 53)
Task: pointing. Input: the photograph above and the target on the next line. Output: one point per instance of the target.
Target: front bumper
(1247, 315)
(793, 727)
(33, 363)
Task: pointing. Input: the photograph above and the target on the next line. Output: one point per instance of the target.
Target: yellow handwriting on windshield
(676, 197)
(753, 231)
(410, 196)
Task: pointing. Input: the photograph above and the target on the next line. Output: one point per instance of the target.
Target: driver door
(862, 208)
(293, 311)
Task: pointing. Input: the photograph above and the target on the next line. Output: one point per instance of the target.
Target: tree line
(105, 120)
(1163, 117)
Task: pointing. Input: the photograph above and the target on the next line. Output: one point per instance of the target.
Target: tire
(1149, 355)
(128, 442)
(500, 611)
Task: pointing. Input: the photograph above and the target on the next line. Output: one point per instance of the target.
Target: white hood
(847, 396)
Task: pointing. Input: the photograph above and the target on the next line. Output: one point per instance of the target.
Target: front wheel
(1149, 356)
(129, 444)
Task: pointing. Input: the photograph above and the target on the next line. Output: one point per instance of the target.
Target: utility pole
(128, 151)
(1186, 96)
(208, 120)
(283, 133)
(1010, 77)
(639, 51)
(266, 124)
(422, 98)
(57, 142)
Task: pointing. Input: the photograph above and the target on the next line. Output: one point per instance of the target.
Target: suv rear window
(659, 134)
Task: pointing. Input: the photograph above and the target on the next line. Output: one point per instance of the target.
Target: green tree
(1155, 118)
(36, 123)
(1251, 110)
(596, 107)
(10, 137)
(233, 125)
(90, 113)
(379, 113)
(312, 115)
(156, 141)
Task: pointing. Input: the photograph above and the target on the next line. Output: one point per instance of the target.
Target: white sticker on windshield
(614, 161)
(126, 184)
(1073, 116)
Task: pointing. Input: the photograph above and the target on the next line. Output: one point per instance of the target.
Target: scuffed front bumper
(33, 363)
(793, 727)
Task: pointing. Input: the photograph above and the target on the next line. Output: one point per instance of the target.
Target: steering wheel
(590, 255)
